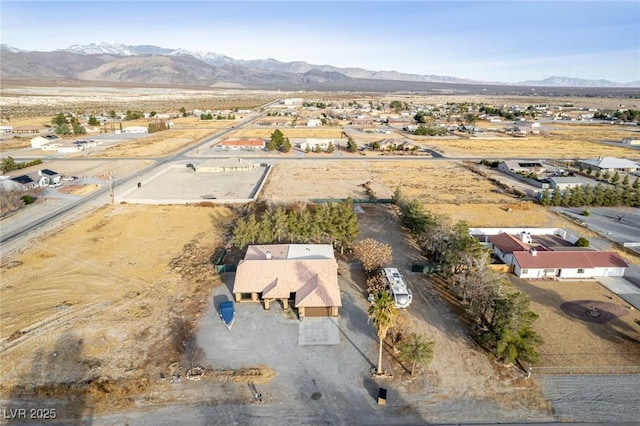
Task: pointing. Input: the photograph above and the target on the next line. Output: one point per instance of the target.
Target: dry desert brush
(373, 254)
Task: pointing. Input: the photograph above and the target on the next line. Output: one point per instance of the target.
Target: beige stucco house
(303, 275)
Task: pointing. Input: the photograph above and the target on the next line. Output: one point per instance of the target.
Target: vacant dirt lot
(101, 300)
(576, 341)
(444, 187)
(460, 375)
(578, 141)
(430, 182)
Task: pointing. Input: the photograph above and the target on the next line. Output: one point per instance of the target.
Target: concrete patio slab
(319, 331)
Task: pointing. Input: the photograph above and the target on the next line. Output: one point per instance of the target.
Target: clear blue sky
(493, 41)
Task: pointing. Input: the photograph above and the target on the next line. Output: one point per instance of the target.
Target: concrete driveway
(622, 288)
(323, 365)
(319, 331)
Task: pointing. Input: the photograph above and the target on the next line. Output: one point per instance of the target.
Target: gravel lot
(185, 184)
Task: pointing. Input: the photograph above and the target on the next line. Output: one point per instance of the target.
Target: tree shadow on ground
(615, 330)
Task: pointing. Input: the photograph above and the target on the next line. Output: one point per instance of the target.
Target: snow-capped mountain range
(106, 61)
(300, 66)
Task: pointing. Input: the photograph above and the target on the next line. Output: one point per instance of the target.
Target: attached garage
(324, 311)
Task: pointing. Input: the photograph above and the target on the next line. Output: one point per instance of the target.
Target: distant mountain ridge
(557, 81)
(117, 62)
(300, 67)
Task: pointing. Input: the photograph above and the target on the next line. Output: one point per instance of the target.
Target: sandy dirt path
(462, 382)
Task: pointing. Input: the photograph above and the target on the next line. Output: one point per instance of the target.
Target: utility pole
(111, 186)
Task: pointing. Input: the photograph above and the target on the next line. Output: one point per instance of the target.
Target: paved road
(619, 224)
(36, 223)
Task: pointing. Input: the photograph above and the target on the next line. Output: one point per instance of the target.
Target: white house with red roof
(246, 144)
(504, 245)
(549, 253)
(568, 264)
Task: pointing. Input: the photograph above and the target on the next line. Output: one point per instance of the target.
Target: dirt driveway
(462, 383)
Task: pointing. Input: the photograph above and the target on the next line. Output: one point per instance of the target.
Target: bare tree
(373, 254)
(193, 355)
(376, 283)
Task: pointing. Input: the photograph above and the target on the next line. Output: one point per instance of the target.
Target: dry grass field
(488, 215)
(443, 187)
(577, 141)
(573, 338)
(46, 101)
(8, 145)
(185, 132)
(291, 133)
(430, 182)
(105, 294)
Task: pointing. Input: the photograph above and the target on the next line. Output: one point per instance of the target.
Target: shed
(565, 182)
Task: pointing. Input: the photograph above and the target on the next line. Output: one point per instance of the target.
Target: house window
(524, 271)
(581, 271)
(549, 271)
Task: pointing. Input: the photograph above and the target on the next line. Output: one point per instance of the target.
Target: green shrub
(582, 242)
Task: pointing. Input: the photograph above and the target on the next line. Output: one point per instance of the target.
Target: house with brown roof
(27, 129)
(304, 275)
(568, 264)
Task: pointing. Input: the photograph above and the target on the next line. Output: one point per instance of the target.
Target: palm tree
(383, 312)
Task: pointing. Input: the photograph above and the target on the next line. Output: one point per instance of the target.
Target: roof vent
(534, 252)
(268, 255)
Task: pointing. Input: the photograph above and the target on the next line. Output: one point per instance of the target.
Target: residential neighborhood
(251, 270)
(274, 213)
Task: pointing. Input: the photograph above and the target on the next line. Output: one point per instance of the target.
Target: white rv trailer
(398, 288)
